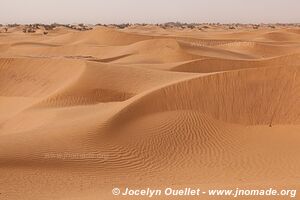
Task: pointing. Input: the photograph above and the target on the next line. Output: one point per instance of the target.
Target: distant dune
(82, 112)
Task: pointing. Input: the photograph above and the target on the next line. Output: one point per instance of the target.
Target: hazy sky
(148, 11)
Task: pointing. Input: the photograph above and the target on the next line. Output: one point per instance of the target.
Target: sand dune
(208, 65)
(99, 36)
(82, 112)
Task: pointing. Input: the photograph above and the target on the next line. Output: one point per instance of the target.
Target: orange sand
(148, 107)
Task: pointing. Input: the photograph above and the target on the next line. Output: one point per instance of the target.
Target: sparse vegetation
(46, 28)
(256, 26)
(49, 27)
(179, 25)
(12, 25)
(78, 27)
(191, 26)
(30, 28)
(121, 26)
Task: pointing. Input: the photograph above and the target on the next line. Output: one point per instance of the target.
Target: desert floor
(82, 112)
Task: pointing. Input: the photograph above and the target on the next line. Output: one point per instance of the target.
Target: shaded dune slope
(100, 83)
(230, 96)
(218, 64)
(24, 82)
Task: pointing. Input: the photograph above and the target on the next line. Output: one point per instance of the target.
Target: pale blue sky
(149, 11)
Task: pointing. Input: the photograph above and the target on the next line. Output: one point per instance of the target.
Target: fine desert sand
(146, 106)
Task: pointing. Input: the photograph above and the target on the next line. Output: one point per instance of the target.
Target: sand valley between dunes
(82, 112)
